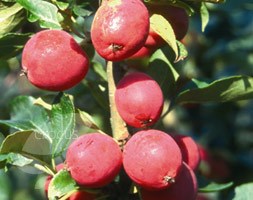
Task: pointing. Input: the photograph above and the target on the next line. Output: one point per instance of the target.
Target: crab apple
(52, 60)
(189, 149)
(184, 188)
(119, 28)
(139, 100)
(177, 17)
(82, 195)
(94, 160)
(152, 159)
(213, 166)
(202, 197)
(145, 51)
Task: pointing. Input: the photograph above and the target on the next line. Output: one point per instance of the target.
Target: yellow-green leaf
(162, 27)
(10, 17)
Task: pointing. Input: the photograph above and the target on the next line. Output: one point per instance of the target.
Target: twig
(119, 129)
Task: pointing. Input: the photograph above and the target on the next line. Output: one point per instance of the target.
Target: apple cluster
(52, 60)
(162, 165)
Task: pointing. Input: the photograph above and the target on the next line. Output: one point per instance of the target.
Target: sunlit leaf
(10, 18)
(88, 120)
(204, 14)
(163, 28)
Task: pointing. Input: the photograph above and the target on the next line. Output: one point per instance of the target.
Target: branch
(119, 129)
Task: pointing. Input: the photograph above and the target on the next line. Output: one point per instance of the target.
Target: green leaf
(45, 12)
(10, 18)
(88, 120)
(63, 124)
(100, 70)
(163, 72)
(62, 5)
(80, 11)
(1, 138)
(27, 116)
(15, 159)
(182, 51)
(30, 144)
(9, 1)
(5, 182)
(39, 101)
(98, 91)
(232, 88)
(215, 187)
(204, 14)
(61, 184)
(32, 18)
(11, 44)
(6, 12)
(244, 192)
(163, 28)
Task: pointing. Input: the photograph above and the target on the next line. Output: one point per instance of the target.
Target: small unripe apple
(94, 160)
(139, 100)
(52, 60)
(189, 149)
(119, 28)
(185, 188)
(152, 159)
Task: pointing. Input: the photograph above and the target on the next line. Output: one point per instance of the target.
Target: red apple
(152, 159)
(185, 188)
(139, 100)
(120, 28)
(189, 149)
(52, 60)
(94, 160)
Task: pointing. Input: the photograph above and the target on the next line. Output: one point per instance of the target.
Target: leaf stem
(44, 169)
(119, 129)
(53, 164)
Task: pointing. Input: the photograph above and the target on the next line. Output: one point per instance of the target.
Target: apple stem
(169, 179)
(119, 129)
